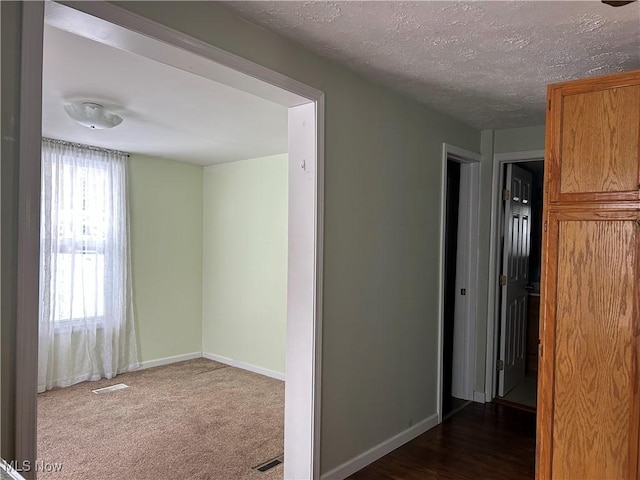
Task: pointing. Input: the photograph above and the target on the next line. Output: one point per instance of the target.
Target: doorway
(512, 344)
(450, 398)
(117, 27)
(458, 278)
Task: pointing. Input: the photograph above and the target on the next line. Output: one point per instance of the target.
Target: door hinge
(503, 280)
(546, 187)
(545, 225)
(500, 365)
(549, 102)
(540, 349)
(506, 195)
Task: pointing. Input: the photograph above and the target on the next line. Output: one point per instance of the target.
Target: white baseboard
(479, 397)
(358, 463)
(245, 366)
(168, 360)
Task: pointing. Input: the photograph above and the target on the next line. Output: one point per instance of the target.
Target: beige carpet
(194, 420)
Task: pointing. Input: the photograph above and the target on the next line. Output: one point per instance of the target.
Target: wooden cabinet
(589, 365)
(593, 139)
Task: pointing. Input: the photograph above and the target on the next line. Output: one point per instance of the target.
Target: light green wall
(494, 141)
(245, 261)
(166, 255)
(381, 243)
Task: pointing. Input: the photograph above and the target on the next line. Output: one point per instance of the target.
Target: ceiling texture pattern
(486, 63)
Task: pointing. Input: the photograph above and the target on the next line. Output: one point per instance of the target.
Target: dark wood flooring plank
(480, 442)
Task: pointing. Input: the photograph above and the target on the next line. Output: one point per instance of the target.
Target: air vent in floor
(263, 467)
(111, 388)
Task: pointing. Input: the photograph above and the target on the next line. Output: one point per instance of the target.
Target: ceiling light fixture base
(92, 115)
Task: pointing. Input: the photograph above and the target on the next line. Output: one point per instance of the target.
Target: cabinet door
(588, 402)
(593, 142)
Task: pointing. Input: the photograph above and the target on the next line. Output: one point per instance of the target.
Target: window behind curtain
(82, 230)
(86, 325)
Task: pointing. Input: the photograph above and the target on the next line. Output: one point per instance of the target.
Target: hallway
(480, 442)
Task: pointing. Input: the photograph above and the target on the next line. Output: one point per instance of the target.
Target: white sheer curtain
(86, 326)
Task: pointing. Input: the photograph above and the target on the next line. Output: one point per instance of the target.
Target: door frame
(495, 260)
(306, 206)
(469, 243)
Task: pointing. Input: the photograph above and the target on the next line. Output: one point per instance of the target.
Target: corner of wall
(487, 143)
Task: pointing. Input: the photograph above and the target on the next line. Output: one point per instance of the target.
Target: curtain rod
(81, 145)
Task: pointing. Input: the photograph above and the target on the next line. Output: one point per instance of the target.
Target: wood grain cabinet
(589, 365)
(593, 139)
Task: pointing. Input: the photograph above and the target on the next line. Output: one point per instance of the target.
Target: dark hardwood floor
(487, 441)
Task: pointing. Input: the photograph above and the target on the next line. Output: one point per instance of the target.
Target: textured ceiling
(486, 63)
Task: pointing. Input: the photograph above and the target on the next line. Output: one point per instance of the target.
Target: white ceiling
(168, 112)
(486, 63)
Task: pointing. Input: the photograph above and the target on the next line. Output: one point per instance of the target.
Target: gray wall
(382, 196)
(10, 118)
(494, 141)
(519, 139)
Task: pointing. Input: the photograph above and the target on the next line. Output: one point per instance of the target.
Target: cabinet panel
(590, 336)
(594, 139)
(599, 147)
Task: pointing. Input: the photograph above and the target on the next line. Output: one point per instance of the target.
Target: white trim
(300, 363)
(499, 160)
(316, 354)
(517, 157)
(357, 463)
(457, 153)
(470, 269)
(471, 161)
(28, 234)
(302, 430)
(240, 72)
(243, 365)
(168, 360)
(479, 397)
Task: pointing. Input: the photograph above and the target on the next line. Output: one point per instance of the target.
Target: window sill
(70, 326)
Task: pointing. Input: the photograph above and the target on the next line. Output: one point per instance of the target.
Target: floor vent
(263, 467)
(112, 388)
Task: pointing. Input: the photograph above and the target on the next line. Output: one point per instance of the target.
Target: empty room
(163, 269)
